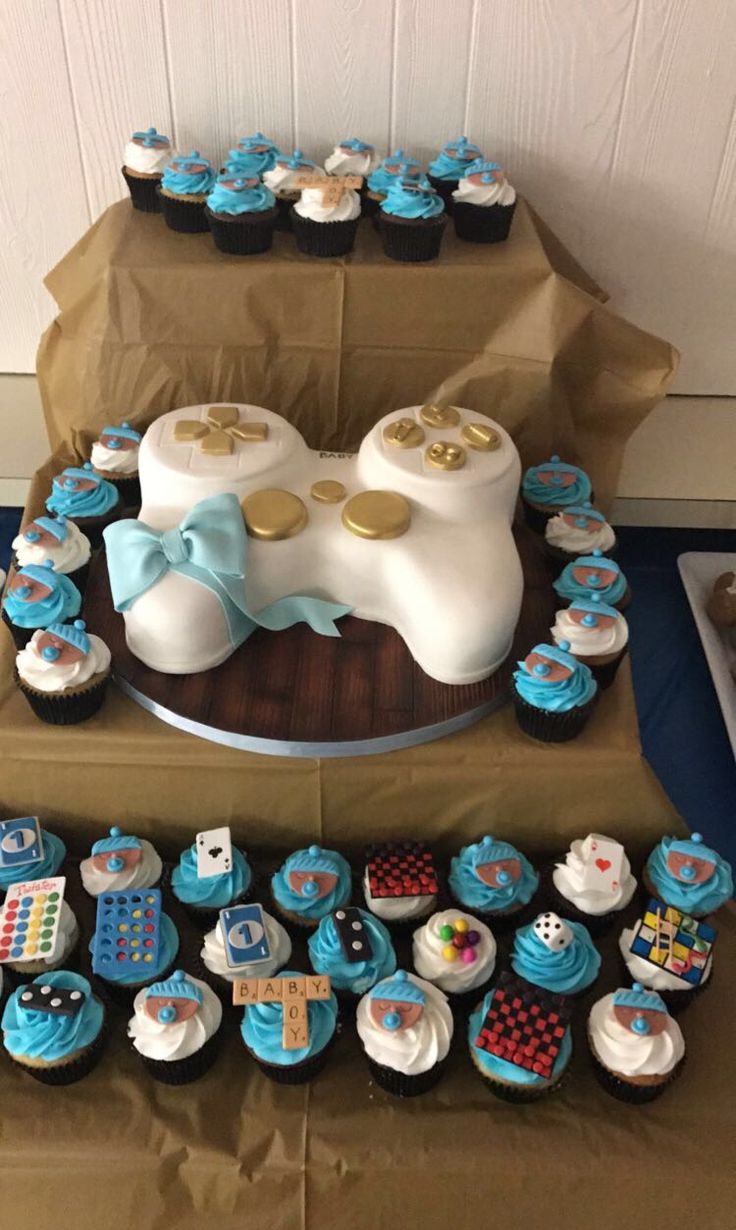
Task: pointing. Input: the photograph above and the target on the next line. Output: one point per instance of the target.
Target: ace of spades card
(214, 852)
(603, 861)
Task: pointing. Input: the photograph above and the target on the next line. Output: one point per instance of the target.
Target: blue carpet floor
(682, 732)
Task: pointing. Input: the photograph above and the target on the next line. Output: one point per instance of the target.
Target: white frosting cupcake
(578, 531)
(597, 640)
(440, 961)
(214, 955)
(628, 1053)
(311, 206)
(68, 552)
(147, 152)
(575, 878)
(352, 158)
(60, 675)
(179, 1039)
(120, 862)
(112, 461)
(409, 1049)
(470, 192)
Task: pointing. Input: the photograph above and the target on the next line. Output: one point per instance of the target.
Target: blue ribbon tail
(320, 615)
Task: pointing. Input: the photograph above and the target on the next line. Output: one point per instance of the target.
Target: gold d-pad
(445, 456)
(403, 433)
(440, 416)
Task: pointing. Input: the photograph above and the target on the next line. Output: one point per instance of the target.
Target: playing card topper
(214, 852)
(29, 919)
(127, 933)
(603, 862)
(244, 935)
(20, 842)
(292, 991)
(674, 942)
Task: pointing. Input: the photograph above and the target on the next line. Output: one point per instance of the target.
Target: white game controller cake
(414, 531)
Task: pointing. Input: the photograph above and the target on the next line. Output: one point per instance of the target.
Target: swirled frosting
(454, 159)
(284, 175)
(469, 889)
(556, 495)
(326, 956)
(30, 1034)
(697, 898)
(254, 155)
(215, 957)
(214, 892)
(352, 157)
(632, 1054)
(53, 855)
(239, 196)
(123, 461)
(579, 539)
(180, 180)
(567, 586)
(311, 206)
(143, 874)
(66, 937)
(45, 676)
(167, 950)
(567, 970)
(560, 695)
(590, 641)
(318, 861)
(501, 1068)
(415, 1048)
(396, 164)
(67, 553)
(262, 1028)
(397, 909)
(655, 977)
(71, 501)
(63, 601)
(455, 976)
(180, 1039)
(147, 152)
(484, 183)
(569, 880)
(409, 199)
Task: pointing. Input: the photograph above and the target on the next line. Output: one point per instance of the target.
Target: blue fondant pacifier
(640, 1025)
(115, 863)
(503, 877)
(50, 653)
(31, 535)
(167, 1014)
(542, 668)
(391, 1020)
(310, 888)
(22, 591)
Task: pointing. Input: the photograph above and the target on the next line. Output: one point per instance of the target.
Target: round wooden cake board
(295, 693)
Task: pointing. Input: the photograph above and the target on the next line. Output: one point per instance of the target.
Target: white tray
(699, 571)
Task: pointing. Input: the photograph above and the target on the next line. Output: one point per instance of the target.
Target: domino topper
(673, 941)
(127, 933)
(244, 935)
(20, 842)
(29, 919)
(214, 852)
(525, 1025)
(56, 1001)
(293, 992)
(354, 940)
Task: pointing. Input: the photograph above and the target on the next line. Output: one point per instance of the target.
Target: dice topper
(293, 992)
(244, 935)
(553, 931)
(21, 842)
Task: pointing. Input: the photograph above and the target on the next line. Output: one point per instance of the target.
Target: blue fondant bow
(210, 546)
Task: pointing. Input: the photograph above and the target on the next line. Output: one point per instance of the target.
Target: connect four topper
(128, 933)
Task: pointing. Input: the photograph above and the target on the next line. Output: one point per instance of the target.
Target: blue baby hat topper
(464, 149)
(392, 997)
(55, 526)
(123, 432)
(594, 607)
(487, 170)
(555, 653)
(583, 513)
(150, 138)
(43, 574)
(596, 560)
(74, 635)
(71, 477)
(641, 1002)
(313, 862)
(173, 999)
(358, 147)
(109, 850)
(489, 850)
(191, 162)
(297, 160)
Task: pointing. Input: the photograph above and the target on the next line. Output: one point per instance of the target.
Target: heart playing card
(214, 852)
(603, 860)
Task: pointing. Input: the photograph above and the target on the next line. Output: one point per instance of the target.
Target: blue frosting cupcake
(57, 1048)
(493, 879)
(593, 574)
(553, 693)
(395, 165)
(39, 597)
(209, 894)
(254, 155)
(453, 160)
(262, 1031)
(241, 212)
(53, 853)
(86, 498)
(183, 191)
(311, 884)
(552, 487)
(412, 220)
(353, 971)
(556, 954)
(689, 875)
(513, 1081)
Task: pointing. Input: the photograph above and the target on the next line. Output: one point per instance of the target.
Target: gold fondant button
(445, 456)
(190, 429)
(272, 514)
(253, 433)
(403, 433)
(217, 444)
(440, 416)
(377, 514)
(327, 491)
(222, 416)
(481, 437)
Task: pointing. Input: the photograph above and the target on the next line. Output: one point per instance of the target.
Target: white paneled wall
(615, 117)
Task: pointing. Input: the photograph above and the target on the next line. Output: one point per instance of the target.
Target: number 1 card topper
(20, 842)
(292, 991)
(332, 187)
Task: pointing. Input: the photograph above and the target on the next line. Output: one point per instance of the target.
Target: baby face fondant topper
(545, 669)
(116, 852)
(316, 879)
(689, 861)
(29, 588)
(174, 1000)
(397, 1003)
(641, 1012)
(493, 871)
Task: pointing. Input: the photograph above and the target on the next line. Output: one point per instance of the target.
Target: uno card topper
(525, 1025)
(20, 842)
(674, 941)
(29, 920)
(603, 859)
(292, 991)
(244, 935)
(127, 932)
(214, 853)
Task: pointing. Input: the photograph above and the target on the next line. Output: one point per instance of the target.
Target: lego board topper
(244, 935)
(29, 920)
(127, 933)
(292, 993)
(214, 852)
(331, 186)
(20, 842)
(674, 942)
(525, 1025)
(401, 869)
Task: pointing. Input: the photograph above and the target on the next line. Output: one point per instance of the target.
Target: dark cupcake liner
(64, 709)
(128, 487)
(324, 238)
(521, 1095)
(604, 673)
(284, 205)
(676, 1001)
(244, 235)
(536, 518)
(184, 1071)
(401, 1086)
(21, 636)
(69, 1073)
(445, 188)
(548, 727)
(370, 205)
(627, 1091)
(182, 215)
(143, 192)
(93, 526)
(297, 1073)
(482, 223)
(411, 242)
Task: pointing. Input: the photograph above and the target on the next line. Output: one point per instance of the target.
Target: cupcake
(183, 192)
(449, 167)
(63, 673)
(324, 226)
(134, 943)
(310, 884)
(688, 875)
(483, 204)
(598, 636)
(721, 604)
(217, 956)
(456, 952)
(45, 853)
(352, 157)
(553, 694)
(175, 1028)
(385, 174)
(54, 1028)
(550, 488)
(354, 949)
(254, 155)
(556, 954)
(242, 214)
(594, 883)
(411, 221)
(669, 952)
(520, 1041)
(63, 951)
(86, 499)
(263, 1027)
(405, 1025)
(115, 457)
(494, 880)
(205, 895)
(282, 180)
(594, 574)
(144, 159)
(38, 597)
(637, 1048)
(57, 540)
(120, 862)
(578, 531)
(400, 881)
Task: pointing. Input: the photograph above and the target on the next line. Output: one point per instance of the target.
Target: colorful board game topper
(332, 187)
(127, 933)
(214, 853)
(244, 935)
(674, 941)
(401, 869)
(524, 1025)
(293, 993)
(353, 938)
(173, 1000)
(29, 919)
(217, 434)
(56, 1001)
(602, 863)
(20, 842)
(460, 941)
(397, 1002)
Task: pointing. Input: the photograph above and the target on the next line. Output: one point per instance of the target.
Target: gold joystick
(440, 416)
(272, 514)
(377, 514)
(328, 491)
(403, 433)
(480, 436)
(445, 456)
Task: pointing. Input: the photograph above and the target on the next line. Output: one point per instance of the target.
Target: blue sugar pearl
(114, 442)
(503, 877)
(688, 872)
(167, 1014)
(31, 535)
(22, 591)
(310, 888)
(116, 863)
(593, 578)
(541, 668)
(589, 621)
(391, 1020)
(50, 653)
(70, 484)
(640, 1025)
